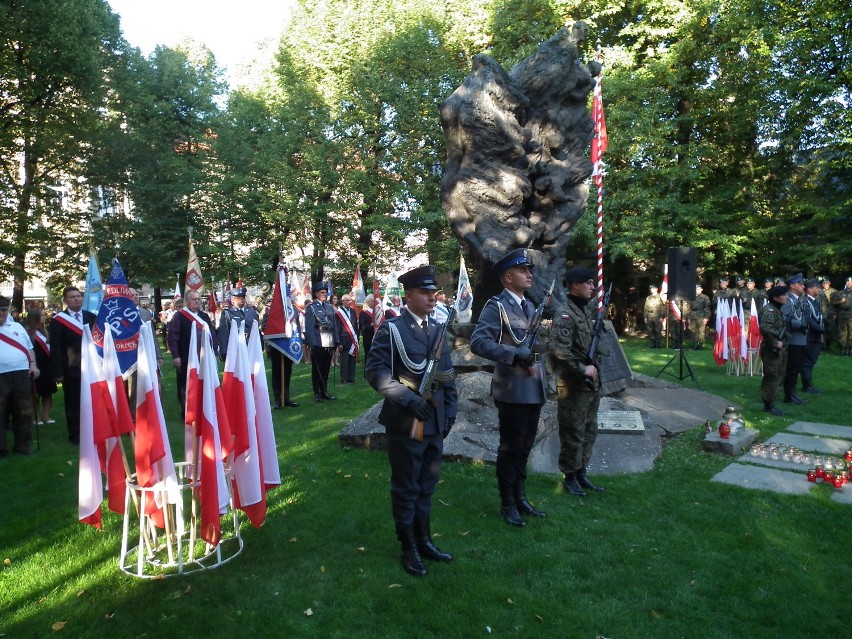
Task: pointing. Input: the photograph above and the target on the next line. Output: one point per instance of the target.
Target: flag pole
(597, 152)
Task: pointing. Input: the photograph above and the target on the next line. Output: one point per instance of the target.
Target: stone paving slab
(835, 447)
(760, 478)
(823, 430)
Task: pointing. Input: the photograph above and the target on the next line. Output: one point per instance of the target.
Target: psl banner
(119, 315)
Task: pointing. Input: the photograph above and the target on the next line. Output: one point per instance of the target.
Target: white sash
(347, 326)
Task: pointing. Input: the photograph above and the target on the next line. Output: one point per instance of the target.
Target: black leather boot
(508, 508)
(425, 546)
(523, 505)
(571, 485)
(410, 557)
(587, 483)
(769, 407)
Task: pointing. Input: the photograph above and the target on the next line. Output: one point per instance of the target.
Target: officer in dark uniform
(66, 340)
(518, 385)
(238, 312)
(322, 336)
(395, 368)
(773, 349)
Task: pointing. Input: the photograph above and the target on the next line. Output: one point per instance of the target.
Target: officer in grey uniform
(796, 316)
(395, 368)
(816, 331)
(519, 383)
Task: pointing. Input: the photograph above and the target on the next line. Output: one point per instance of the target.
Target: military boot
(571, 485)
(410, 557)
(425, 546)
(523, 504)
(587, 483)
(769, 407)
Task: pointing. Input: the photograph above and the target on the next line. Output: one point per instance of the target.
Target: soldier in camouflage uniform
(842, 301)
(828, 313)
(654, 311)
(577, 383)
(773, 349)
(699, 315)
(759, 296)
(747, 294)
(741, 290)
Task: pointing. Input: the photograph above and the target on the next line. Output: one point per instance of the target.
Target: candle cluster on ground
(821, 468)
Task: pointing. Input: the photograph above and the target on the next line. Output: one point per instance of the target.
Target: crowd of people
(407, 360)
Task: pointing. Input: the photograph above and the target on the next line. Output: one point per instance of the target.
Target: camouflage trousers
(698, 330)
(774, 369)
(577, 416)
(655, 328)
(844, 332)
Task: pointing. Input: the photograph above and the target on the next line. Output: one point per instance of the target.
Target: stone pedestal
(734, 445)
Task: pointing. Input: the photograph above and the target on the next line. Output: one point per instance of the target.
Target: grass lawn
(663, 554)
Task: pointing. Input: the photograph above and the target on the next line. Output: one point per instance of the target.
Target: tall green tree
(55, 62)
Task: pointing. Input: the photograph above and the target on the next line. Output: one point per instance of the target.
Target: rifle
(535, 323)
(598, 328)
(781, 335)
(432, 377)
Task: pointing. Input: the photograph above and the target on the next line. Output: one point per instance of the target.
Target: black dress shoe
(511, 516)
(327, 396)
(795, 399)
(526, 508)
(276, 406)
(291, 404)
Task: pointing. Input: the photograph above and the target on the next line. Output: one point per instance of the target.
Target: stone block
(734, 445)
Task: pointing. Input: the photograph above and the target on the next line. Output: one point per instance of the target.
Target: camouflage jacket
(570, 338)
(700, 307)
(654, 307)
(771, 321)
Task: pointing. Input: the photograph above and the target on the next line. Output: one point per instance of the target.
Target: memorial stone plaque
(627, 422)
(615, 370)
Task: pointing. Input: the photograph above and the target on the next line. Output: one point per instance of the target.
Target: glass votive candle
(819, 471)
(838, 482)
(811, 475)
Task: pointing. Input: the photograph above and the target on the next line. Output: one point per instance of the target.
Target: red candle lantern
(838, 482)
(812, 475)
(724, 430)
(820, 472)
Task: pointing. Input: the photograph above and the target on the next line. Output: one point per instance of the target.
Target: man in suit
(238, 312)
(796, 312)
(66, 339)
(816, 331)
(322, 337)
(183, 322)
(347, 329)
(395, 368)
(519, 383)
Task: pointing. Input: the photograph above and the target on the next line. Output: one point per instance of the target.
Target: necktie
(524, 307)
(425, 326)
(77, 316)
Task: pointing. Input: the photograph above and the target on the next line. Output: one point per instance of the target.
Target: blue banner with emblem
(119, 314)
(94, 294)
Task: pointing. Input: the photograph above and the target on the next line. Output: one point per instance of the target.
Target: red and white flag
(720, 346)
(177, 295)
(211, 424)
(90, 485)
(754, 336)
(742, 333)
(601, 140)
(154, 464)
(117, 421)
(249, 494)
(265, 432)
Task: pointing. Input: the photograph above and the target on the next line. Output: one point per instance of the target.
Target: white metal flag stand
(177, 550)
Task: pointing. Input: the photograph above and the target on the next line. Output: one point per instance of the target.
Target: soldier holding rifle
(578, 386)
(506, 334)
(773, 349)
(406, 349)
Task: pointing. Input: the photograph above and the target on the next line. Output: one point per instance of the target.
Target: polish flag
(90, 486)
(265, 432)
(720, 346)
(754, 337)
(239, 404)
(117, 421)
(213, 490)
(154, 464)
(742, 333)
